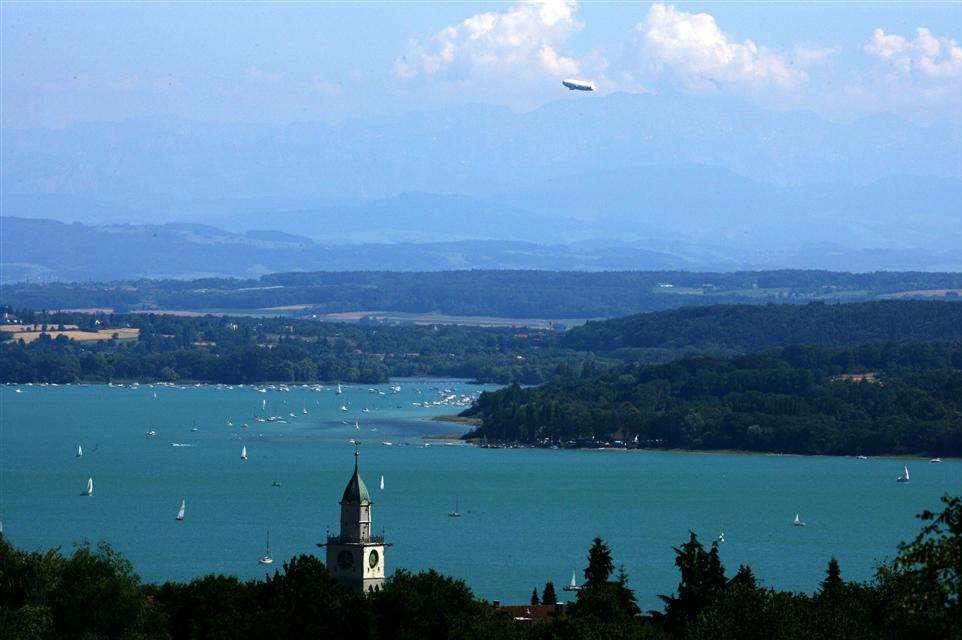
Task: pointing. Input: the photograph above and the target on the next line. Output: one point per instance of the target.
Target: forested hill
(512, 294)
(748, 328)
(871, 399)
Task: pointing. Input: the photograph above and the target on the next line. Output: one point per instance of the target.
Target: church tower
(355, 557)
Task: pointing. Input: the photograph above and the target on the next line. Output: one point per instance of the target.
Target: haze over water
(528, 515)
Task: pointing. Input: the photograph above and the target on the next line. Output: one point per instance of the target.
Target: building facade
(355, 557)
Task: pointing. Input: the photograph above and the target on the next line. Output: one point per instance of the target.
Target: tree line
(868, 399)
(239, 350)
(507, 293)
(95, 593)
(750, 328)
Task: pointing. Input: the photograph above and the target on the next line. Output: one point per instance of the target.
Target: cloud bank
(530, 42)
(697, 54)
(926, 56)
(523, 39)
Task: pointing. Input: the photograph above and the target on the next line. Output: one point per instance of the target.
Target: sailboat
(244, 453)
(80, 451)
(357, 427)
(267, 559)
(798, 521)
(905, 475)
(90, 488)
(573, 585)
(183, 508)
(339, 391)
(455, 514)
(304, 409)
(382, 483)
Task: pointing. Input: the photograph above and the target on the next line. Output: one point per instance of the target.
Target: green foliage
(731, 329)
(426, 606)
(924, 582)
(254, 350)
(793, 400)
(535, 600)
(702, 580)
(94, 592)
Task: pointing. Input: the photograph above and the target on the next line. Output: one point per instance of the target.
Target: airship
(579, 85)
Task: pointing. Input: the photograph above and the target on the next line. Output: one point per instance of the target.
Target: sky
(289, 62)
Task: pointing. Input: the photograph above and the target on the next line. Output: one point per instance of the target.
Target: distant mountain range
(658, 181)
(48, 250)
(473, 150)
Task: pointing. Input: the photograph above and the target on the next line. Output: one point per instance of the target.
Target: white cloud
(697, 53)
(524, 38)
(926, 56)
(807, 56)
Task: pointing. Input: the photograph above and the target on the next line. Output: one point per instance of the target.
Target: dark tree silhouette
(600, 566)
(549, 596)
(832, 583)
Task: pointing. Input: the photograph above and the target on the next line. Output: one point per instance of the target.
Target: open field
(927, 293)
(102, 334)
(440, 318)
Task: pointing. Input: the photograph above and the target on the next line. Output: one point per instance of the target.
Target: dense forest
(747, 328)
(514, 294)
(868, 399)
(250, 350)
(94, 593)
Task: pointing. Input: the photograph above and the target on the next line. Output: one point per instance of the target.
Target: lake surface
(528, 515)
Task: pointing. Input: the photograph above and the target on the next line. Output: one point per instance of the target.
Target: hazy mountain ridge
(659, 181)
(47, 250)
(476, 150)
(695, 204)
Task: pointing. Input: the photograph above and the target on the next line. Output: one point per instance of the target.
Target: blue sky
(294, 62)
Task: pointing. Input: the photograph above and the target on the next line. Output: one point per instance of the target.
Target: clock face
(373, 559)
(345, 560)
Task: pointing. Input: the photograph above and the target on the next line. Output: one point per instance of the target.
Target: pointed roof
(356, 491)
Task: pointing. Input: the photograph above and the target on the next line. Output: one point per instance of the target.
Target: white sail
(906, 473)
(80, 451)
(357, 426)
(574, 583)
(382, 483)
(339, 388)
(244, 453)
(90, 487)
(183, 508)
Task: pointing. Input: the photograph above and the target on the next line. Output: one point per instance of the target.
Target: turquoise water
(528, 515)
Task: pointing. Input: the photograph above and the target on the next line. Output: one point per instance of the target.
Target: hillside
(744, 329)
(503, 293)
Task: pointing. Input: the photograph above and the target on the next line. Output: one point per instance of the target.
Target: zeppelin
(579, 85)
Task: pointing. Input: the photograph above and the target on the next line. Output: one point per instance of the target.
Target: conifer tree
(549, 596)
(833, 578)
(600, 565)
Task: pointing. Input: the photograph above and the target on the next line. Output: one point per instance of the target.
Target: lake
(528, 515)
